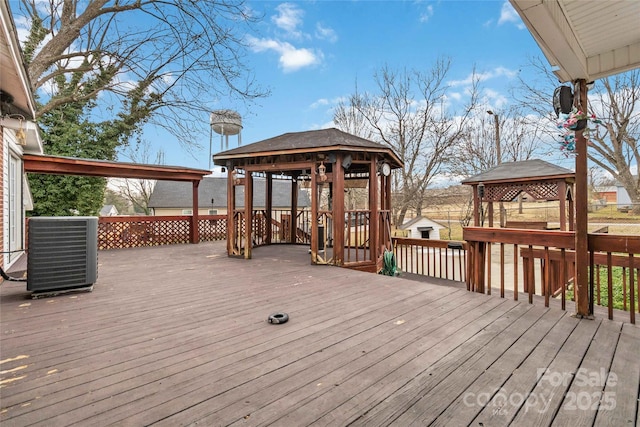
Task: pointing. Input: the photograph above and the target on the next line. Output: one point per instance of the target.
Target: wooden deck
(177, 335)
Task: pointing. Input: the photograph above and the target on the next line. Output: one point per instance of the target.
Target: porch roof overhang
(15, 84)
(584, 39)
(88, 167)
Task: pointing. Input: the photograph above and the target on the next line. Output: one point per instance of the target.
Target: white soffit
(585, 39)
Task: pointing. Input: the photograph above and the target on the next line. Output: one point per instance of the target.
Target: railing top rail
(614, 243)
(557, 239)
(451, 244)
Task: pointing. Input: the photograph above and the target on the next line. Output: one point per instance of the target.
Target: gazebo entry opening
(346, 181)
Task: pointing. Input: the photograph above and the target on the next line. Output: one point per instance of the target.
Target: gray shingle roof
(175, 194)
(314, 140)
(308, 139)
(535, 168)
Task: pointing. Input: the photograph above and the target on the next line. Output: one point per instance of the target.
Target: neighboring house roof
(108, 210)
(172, 194)
(410, 223)
(519, 171)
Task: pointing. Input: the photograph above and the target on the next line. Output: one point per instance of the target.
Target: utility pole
(496, 120)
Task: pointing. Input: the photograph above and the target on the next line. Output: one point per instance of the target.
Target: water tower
(224, 123)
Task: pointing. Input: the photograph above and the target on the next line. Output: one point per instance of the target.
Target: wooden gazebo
(536, 178)
(349, 181)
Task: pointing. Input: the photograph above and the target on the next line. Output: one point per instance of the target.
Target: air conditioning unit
(63, 253)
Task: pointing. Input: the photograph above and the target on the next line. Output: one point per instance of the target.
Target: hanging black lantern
(562, 100)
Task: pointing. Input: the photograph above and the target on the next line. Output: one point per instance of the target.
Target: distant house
(108, 210)
(422, 228)
(174, 198)
(607, 193)
(623, 200)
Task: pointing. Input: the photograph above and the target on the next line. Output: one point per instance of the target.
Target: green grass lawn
(618, 282)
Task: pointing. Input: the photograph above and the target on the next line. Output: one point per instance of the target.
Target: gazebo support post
(268, 202)
(582, 244)
(231, 207)
(293, 223)
(562, 197)
(338, 211)
(248, 214)
(314, 215)
(194, 235)
(375, 242)
(476, 206)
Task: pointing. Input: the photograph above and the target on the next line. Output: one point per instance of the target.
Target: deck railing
(116, 232)
(540, 264)
(433, 258)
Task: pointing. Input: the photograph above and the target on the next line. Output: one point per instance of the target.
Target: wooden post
(194, 235)
(476, 207)
(293, 224)
(582, 244)
(231, 207)
(374, 222)
(268, 198)
(314, 215)
(248, 214)
(338, 211)
(562, 196)
(490, 213)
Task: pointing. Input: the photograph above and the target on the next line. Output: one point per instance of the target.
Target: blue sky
(310, 54)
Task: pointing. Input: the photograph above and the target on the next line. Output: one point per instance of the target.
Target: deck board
(177, 335)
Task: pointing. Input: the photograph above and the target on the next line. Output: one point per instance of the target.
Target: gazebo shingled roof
(308, 141)
(526, 170)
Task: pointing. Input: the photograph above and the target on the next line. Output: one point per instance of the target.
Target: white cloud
(494, 100)
(487, 75)
(323, 102)
(326, 33)
(291, 58)
(426, 14)
(289, 19)
(509, 15)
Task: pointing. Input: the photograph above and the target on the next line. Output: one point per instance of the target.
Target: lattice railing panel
(508, 192)
(131, 232)
(212, 227)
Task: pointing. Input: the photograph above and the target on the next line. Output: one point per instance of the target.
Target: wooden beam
(56, 165)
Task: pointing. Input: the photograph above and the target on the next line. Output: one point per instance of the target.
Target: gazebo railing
(357, 236)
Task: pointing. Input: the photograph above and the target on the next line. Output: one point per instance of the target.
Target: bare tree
(410, 114)
(614, 146)
(476, 149)
(164, 62)
(138, 191)
(616, 101)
